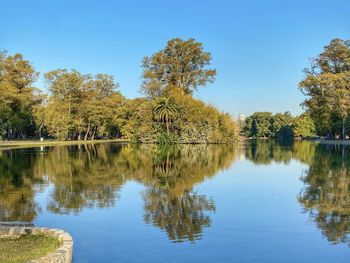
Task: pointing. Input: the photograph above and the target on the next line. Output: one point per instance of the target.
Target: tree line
(80, 106)
(280, 125)
(326, 86)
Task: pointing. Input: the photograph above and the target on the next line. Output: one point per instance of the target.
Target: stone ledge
(63, 254)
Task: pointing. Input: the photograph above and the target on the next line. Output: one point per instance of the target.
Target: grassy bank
(25, 248)
(26, 144)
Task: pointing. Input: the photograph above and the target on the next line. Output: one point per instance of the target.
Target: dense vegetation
(279, 125)
(83, 106)
(327, 87)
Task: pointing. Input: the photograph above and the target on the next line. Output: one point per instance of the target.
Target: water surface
(258, 202)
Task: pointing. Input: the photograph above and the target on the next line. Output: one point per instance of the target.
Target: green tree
(335, 58)
(17, 96)
(181, 64)
(66, 90)
(83, 105)
(259, 124)
(303, 126)
(327, 87)
(279, 121)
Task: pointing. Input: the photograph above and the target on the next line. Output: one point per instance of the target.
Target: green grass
(25, 248)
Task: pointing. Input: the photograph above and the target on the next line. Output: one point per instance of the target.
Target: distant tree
(165, 110)
(279, 121)
(268, 125)
(259, 124)
(181, 64)
(303, 126)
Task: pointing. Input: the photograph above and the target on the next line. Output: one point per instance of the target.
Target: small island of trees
(86, 107)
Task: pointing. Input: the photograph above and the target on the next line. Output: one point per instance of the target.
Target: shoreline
(332, 142)
(4, 145)
(318, 141)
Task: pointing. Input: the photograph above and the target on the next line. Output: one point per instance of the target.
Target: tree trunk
(87, 133)
(40, 128)
(343, 129)
(93, 134)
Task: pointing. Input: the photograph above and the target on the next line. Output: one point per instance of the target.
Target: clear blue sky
(259, 48)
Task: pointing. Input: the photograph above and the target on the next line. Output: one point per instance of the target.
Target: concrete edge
(63, 254)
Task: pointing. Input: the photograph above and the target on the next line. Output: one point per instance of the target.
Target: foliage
(82, 106)
(265, 124)
(201, 123)
(17, 97)
(303, 126)
(90, 107)
(139, 124)
(195, 122)
(280, 125)
(181, 64)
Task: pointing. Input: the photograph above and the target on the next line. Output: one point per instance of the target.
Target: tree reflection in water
(170, 203)
(90, 176)
(182, 217)
(326, 195)
(16, 187)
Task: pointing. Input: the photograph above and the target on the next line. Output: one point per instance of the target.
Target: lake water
(257, 202)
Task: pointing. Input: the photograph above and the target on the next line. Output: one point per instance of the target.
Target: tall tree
(335, 58)
(327, 87)
(66, 90)
(181, 64)
(17, 96)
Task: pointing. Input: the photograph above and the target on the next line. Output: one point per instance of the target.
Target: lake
(257, 202)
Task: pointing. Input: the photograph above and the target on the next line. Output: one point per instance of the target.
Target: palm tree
(165, 110)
